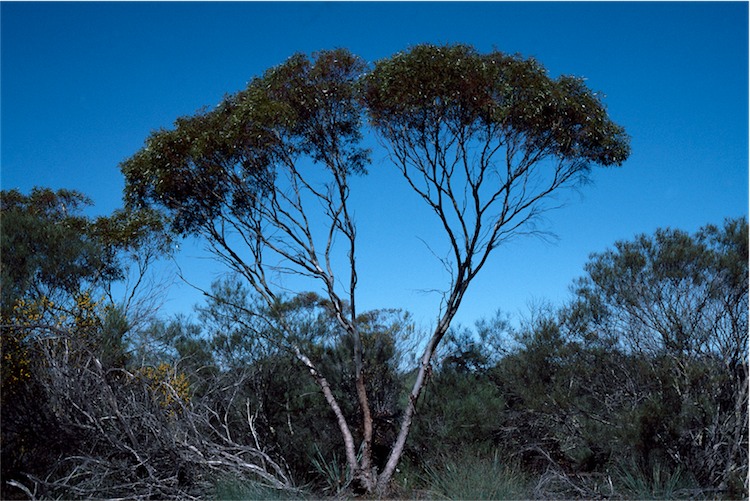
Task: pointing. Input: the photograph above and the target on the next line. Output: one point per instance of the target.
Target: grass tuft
(232, 490)
(335, 476)
(476, 477)
(659, 483)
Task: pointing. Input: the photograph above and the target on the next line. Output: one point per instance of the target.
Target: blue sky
(83, 84)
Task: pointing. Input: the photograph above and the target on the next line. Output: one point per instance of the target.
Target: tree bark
(351, 455)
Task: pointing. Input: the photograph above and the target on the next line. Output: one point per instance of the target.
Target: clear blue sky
(83, 84)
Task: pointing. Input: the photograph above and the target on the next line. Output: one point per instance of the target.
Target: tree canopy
(49, 246)
(673, 292)
(504, 96)
(224, 161)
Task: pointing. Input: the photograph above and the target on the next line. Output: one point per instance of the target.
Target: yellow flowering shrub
(81, 318)
(169, 387)
(15, 361)
(86, 318)
(28, 313)
(43, 318)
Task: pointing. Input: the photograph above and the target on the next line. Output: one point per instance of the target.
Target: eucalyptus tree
(485, 140)
(52, 252)
(265, 177)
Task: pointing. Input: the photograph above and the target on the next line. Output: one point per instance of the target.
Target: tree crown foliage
(494, 94)
(672, 292)
(47, 245)
(51, 250)
(227, 158)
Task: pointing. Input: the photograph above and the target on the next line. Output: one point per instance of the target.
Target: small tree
(57, 269)
(679, 302)
(49, 249)
(242, 176)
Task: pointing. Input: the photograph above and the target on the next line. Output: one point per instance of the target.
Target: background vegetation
(637, 388)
